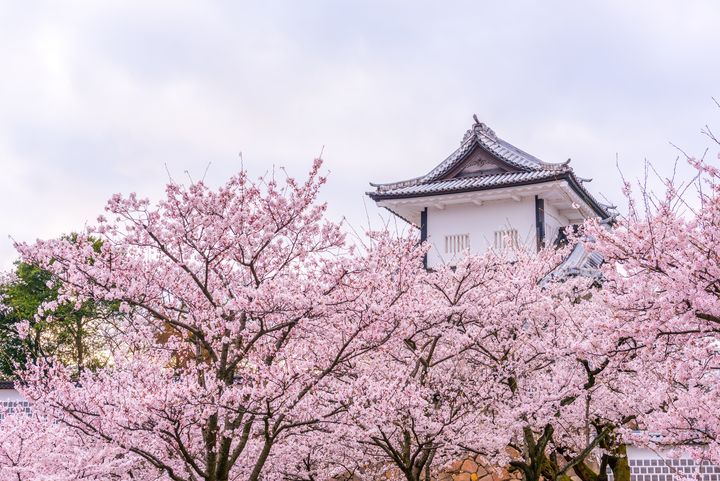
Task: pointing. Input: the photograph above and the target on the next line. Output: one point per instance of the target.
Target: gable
(483, 162)
(478, 162)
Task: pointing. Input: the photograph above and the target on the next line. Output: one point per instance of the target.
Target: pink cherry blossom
(253, 342)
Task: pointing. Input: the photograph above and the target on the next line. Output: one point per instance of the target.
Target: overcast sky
(98, 97)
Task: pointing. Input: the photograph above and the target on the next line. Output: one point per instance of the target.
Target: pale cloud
(98, 97)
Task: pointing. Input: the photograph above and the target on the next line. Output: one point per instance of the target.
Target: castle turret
(489, 194)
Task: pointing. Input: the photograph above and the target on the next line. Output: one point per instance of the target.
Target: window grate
(506, 239)
(455, 244)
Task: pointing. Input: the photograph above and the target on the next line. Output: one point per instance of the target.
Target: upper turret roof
(485, 161)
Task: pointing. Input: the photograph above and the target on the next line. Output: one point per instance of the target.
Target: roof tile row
(478, 182)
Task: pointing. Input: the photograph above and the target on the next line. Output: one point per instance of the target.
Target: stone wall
(475, 469)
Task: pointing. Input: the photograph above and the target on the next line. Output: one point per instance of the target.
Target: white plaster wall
(480, 222)
(10, 395)
(634, 452)
(553, 221)
(12, 402)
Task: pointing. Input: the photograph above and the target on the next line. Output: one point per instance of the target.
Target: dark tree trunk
(619, 464)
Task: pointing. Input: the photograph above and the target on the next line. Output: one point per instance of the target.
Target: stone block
(469, 466)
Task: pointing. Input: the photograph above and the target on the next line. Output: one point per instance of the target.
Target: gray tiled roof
(482, 135)
(524, 169)
(475, 182)
(581, 259)
(479, 135)
(580, 262)
(7, 385)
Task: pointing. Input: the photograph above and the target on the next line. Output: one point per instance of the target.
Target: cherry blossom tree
(662, 280)
(36, 448)
(243, 314)
(256, 343)
(560, 398)
(491, 359)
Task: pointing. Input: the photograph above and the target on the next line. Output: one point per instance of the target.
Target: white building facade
(489, 194)
(11, 401)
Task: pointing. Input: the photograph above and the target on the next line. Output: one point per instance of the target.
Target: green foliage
(71, 332)
(21, 298)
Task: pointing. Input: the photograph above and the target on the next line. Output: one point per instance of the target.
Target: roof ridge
(485, 137)
(539, 161)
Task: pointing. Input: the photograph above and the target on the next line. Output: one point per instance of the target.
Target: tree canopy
(74, 333)
(252, 341)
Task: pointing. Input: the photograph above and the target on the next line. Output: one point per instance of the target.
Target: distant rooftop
(7, 385)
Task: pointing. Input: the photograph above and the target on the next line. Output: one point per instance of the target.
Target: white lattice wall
(11, 401)
(647, 465)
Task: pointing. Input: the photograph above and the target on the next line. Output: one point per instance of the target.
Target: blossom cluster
(254, 342)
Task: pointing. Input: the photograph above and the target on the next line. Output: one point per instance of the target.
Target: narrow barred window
(455, 244)
(506, 239)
